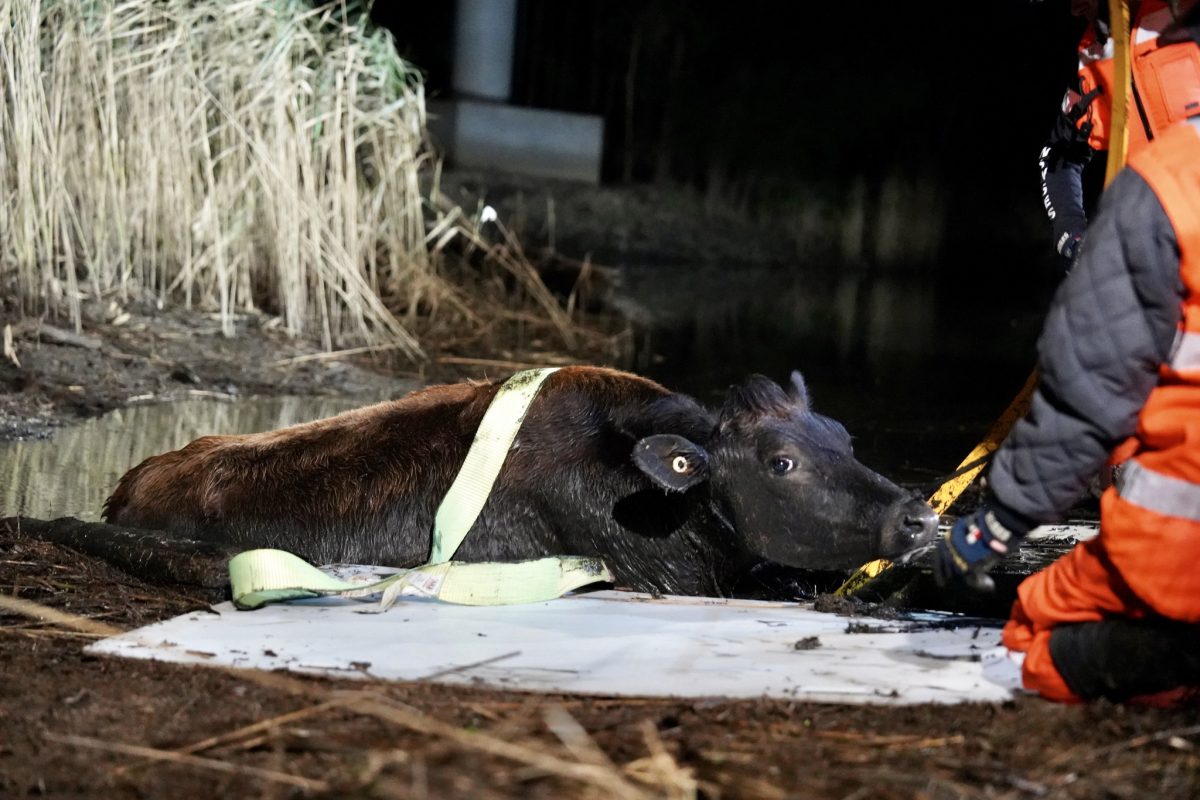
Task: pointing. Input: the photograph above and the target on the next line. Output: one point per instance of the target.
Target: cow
(674, 497)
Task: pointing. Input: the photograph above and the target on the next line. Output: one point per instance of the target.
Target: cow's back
(366, 483)
(242, 486)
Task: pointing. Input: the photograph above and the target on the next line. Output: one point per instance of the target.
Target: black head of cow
(788, 479)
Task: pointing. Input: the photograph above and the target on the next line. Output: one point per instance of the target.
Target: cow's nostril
(911, 524)
(918, 526)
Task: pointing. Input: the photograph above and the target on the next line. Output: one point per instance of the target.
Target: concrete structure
(484, 35)
(478, 128)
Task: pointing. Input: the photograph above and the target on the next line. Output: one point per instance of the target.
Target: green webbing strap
(462, 504)
(272, 576)
(259, 577)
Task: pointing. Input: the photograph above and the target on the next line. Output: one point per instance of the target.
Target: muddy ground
(64, 713)
(72, 725)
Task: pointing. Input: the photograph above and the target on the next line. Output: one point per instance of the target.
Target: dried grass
(173, 757)
(253, 153)
(54, 616)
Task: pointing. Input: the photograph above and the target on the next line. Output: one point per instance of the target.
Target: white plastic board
(603, 643)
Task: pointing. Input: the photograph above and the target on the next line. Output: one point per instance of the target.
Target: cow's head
(789, 480)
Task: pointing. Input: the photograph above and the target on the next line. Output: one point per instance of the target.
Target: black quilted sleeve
(1112, 324)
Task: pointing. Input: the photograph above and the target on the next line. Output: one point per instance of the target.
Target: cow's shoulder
(625, 402)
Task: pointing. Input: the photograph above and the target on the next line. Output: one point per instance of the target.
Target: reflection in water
(73, 473)
(708, 320)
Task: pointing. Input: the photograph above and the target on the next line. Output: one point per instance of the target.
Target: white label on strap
(422, 584)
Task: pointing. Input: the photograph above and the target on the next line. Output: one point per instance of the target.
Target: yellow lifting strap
(1118, 142)
(258, 577)
(949, 491)
(945, 496)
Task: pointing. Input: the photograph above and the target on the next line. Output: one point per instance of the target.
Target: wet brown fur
(357, 461)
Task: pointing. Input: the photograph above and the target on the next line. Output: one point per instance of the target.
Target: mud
(137, 354)
(60, 707)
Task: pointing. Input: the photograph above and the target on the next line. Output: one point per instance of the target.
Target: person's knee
(1122, 658)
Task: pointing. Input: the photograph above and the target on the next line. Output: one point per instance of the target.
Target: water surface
(73, 473)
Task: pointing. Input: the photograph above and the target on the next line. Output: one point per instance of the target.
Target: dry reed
(244, 154)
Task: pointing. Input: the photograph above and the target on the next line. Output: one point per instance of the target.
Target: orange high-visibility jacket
(1166, 80)
(1146, 561)
(1152, 525)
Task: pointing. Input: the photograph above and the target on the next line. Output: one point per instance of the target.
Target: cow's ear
(798, 391)
(672, 462)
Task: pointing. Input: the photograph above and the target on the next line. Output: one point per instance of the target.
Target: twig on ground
(895, 741)
(1074, 757)
(405, 716)
(59, 336)
(660, 769)
(170, 756)
(488, 713)
(43, 633)
(352, 351)
(242, 732)
(208, 395)
(574, 737)
(10, 351)
(67, 620)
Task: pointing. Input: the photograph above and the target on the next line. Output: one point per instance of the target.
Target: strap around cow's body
(493, 439)
(259, 577)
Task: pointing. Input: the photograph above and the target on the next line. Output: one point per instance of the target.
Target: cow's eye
(781, 465)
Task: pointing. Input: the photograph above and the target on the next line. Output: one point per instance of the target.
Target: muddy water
(73, 473)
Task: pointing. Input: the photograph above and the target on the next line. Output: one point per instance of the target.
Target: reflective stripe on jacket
(1151, 527)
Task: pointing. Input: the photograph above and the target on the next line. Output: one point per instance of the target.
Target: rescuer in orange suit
(1165, 85)
(1119, 380)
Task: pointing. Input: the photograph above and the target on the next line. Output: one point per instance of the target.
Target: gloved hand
(974, 544)
(1067, 245)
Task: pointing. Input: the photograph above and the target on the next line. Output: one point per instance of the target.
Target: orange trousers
(1082, 586)
(1086, 585)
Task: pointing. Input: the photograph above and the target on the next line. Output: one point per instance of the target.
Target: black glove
(1067, 245)
(1073, 126)
(974, 544)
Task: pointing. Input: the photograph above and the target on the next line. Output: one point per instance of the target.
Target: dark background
(778, 93)
(761, 103)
